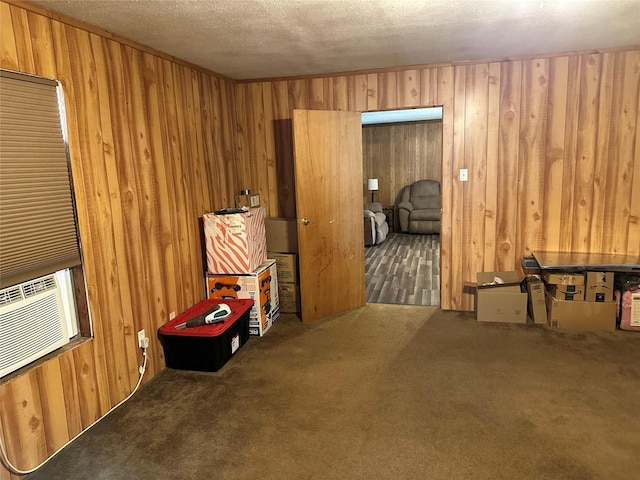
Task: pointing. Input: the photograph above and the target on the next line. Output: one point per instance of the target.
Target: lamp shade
(372, 184)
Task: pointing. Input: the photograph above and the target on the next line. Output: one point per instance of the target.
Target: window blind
(38, 232)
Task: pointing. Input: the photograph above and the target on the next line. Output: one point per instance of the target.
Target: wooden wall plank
(242, 144)
(319, 98)
(4, 473)
(475, 153)
(533, 119)
(284, 151)
(21, 414)
(372, 92)
(567, 217)
(601, 151)
(554, 153)
(446, 96)
(271, 190)
(623, 140)
(408, 88)
(299, 94)
(259, 176)
(491, 174)
(8, 47)
(507, 214)
(20, 26)
(88, 394)
(458, 191)
(429, 87)
(71, 395)
(42, 41)
(357, 93)
(54, 414)
(587, 121)
(387, 91)
(340, 93)
(228, 126)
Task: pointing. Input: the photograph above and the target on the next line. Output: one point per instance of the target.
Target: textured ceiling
(245, 39)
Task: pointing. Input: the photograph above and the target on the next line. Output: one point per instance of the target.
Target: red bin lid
(238, 308)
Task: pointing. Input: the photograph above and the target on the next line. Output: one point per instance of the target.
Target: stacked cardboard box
(537, 303)
(237, 265)
(260, 285)
(499, 298)
(235, 242)
(576, 301)
(282, 245)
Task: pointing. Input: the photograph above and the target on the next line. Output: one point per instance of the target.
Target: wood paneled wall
(152, 148)
(398, 155)
(552, 146)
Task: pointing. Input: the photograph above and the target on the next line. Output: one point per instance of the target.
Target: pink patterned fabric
(625, 317)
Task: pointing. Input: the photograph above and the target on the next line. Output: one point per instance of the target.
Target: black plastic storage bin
(205, 348)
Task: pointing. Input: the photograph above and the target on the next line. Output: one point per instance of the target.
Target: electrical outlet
(142, 338)
(464, 175)
(172, 315)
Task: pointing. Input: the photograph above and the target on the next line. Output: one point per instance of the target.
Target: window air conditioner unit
(32, 322)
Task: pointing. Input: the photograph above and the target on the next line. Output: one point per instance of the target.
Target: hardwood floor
(404, 269)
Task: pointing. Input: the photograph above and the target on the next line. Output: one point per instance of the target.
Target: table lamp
(372, 184)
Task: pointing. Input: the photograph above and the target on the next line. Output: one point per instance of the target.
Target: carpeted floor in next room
(385, 392)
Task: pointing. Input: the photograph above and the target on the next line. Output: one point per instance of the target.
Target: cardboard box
(289, 297)
(248, 201)
(570, 293)
(537, 303)
(282, 234)
(261, 286)
(235, 243)
(500, 303)
(599, 287)
(287, 265)
(564, 278)
(581, 316)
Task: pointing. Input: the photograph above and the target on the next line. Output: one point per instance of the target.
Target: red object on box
(205, 347)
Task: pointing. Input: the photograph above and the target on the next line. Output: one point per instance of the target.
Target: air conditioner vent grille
(41, 285)
(10, 295)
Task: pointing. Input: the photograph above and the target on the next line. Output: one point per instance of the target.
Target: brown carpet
(387, 392)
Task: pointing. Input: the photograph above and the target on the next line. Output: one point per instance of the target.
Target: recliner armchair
(417, 207)
(376, 227)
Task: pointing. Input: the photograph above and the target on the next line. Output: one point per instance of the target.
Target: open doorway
(400, 154)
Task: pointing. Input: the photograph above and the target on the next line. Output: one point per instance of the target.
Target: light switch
(464, 175)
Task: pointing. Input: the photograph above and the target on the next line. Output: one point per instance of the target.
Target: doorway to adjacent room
(399, 148)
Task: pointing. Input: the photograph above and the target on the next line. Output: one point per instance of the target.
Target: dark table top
(589, 261)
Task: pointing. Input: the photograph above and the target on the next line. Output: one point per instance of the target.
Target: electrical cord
(3, 453)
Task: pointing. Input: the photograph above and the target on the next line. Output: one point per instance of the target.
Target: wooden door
(329, 185)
